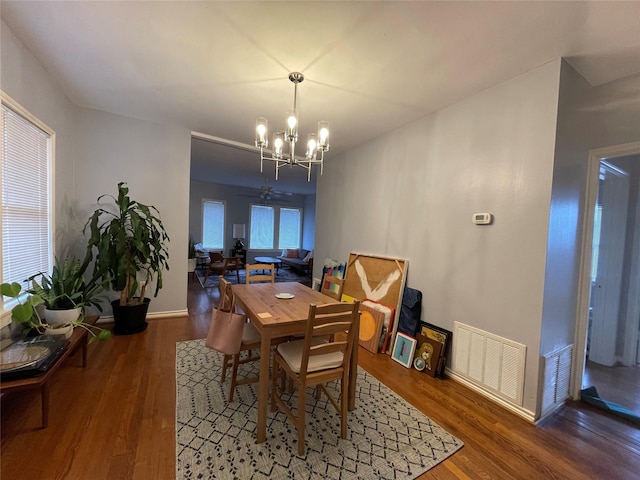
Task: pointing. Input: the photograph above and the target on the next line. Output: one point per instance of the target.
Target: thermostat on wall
(482, 218)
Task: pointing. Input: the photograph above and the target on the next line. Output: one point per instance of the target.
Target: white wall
(412, 193)
(154, 161)
(309, 222)
(588, 118)
(26, 81)
(94, 151)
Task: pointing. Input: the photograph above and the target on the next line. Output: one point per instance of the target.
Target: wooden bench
(79, 338)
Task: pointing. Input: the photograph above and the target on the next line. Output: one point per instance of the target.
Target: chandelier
(317, 143)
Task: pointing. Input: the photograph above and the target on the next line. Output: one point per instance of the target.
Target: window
(213, 224)
(27, 219)
(263, 227)
(289, 236)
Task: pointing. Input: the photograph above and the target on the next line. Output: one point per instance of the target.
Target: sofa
(297, 258)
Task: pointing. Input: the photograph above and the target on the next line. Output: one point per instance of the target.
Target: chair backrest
(226, 295)
(326, 321)
(233, 263)
(216, 257)
(333, 292)
(259, 277)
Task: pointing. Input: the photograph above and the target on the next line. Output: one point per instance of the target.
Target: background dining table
(280, 317)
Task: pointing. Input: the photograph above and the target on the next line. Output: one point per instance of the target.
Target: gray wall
(412, 193)
(154, 161)
(94, 151)
(238, 201)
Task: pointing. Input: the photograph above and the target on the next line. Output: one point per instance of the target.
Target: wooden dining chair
(332, 287)
(217, 265)
(259, 275)
(315, 360)
(250, 342)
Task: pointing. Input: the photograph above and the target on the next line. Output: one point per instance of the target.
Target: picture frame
(427, 355)
(440, 335)
(404, 349)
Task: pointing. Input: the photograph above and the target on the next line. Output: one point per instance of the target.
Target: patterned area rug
(387, 438)
(284, 275)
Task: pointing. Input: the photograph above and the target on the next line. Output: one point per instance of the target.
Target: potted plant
(26, 313)
(66, 293)
(129, 246)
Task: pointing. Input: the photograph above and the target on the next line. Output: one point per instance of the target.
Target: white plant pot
(66, 330)
(61, 317)
(191, 265)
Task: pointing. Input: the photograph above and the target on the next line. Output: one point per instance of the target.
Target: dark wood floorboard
(617, 384)
(115, 419)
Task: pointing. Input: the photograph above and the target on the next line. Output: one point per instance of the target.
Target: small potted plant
(27, 314)
(128, 243)
(66, 293)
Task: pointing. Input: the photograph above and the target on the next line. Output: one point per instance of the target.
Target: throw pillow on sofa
(308, 257)
(290, 253)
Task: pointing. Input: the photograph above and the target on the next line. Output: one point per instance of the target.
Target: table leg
(263, 386)
(353, 367)
(44, 390)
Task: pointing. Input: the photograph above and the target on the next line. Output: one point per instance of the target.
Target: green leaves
(130, 244)
(10, 289)
(24, 313)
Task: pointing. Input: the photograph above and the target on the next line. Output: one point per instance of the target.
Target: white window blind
(289, 232)
(213, 224)
(262, 227)
(27, 246)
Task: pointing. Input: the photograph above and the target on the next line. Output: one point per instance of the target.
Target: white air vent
(557, 377)
(491, 362)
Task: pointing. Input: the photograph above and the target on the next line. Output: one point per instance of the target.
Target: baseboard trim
(521, 412)
(152, 315)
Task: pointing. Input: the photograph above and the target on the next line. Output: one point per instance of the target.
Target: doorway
(610, 280)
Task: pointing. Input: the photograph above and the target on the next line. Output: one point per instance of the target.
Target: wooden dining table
(277, 317)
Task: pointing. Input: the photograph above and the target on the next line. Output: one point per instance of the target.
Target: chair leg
(225, 365)
(274, 382)
(344, 405)
(234, 373)
(301, 421)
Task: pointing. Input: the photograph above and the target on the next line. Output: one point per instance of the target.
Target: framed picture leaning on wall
(403, 349)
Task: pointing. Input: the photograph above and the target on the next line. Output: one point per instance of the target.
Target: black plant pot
(129, 319)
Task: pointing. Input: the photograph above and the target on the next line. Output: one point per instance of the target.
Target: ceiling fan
(266, 193)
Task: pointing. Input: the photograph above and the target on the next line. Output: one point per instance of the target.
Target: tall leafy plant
(129, 245)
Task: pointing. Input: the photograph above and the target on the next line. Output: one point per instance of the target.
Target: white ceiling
(370, 67)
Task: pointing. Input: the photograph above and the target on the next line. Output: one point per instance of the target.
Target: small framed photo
(403, 349)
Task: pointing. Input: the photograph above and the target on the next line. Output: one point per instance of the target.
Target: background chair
(251, 277)
(314, 361)
(335, 292)
(233, 264)
(217, 265)
(250, 341)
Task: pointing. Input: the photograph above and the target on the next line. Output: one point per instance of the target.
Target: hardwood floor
(618, 384)
(115, 419)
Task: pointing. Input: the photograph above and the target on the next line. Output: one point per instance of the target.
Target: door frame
(605, 302)
(584, 278)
